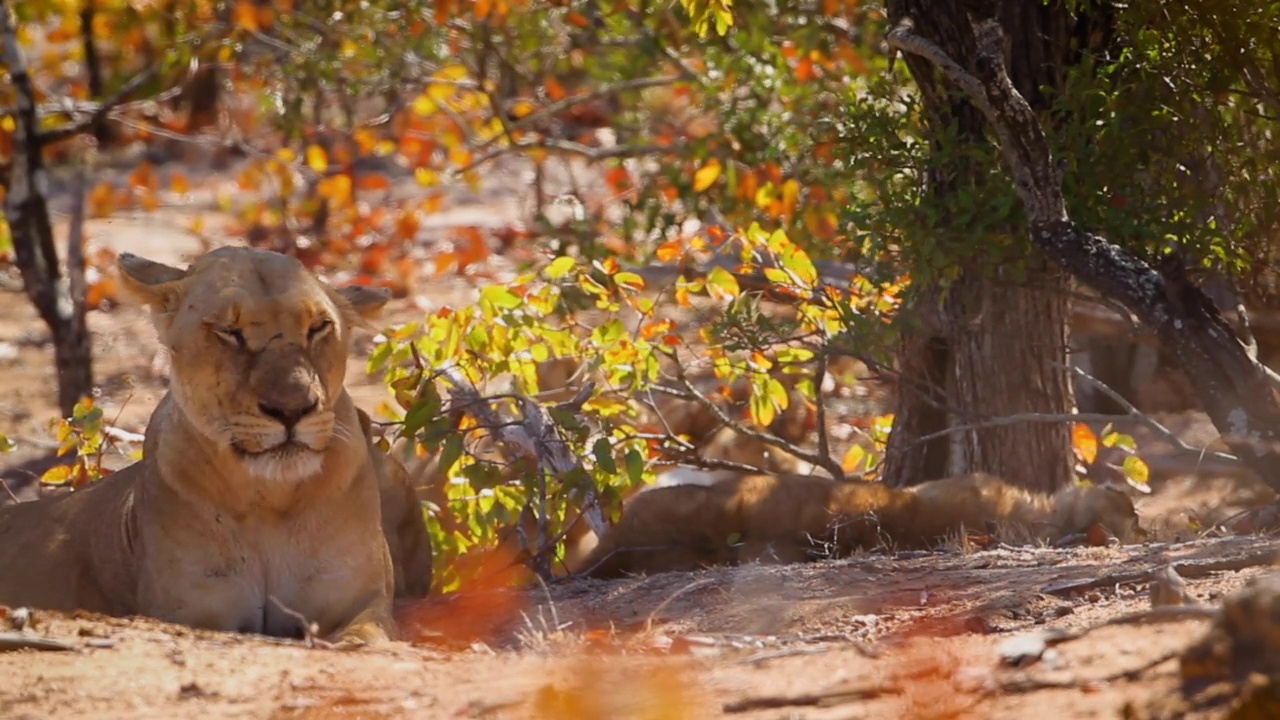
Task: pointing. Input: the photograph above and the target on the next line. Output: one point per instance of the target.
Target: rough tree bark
(58, 298)
(996, 342)
(27, 210)
(102, 131)
(1235, 390)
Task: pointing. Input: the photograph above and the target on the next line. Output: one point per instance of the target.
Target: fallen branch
(827, 698)
(1185, 569)
(11, 641)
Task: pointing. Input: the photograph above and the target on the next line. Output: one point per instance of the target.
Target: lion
(256, 506)
(793, 518)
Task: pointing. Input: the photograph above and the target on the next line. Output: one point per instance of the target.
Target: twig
(760, 657)
(1027, 685)
(827, 698)
(695, 585)
(309, 629)
(99, 111)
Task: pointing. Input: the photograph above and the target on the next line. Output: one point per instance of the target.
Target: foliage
(516, 330)
(83, 434)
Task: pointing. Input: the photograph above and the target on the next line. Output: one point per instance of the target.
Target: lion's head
(259, 351)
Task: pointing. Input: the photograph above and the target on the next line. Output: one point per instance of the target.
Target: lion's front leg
(350, 600)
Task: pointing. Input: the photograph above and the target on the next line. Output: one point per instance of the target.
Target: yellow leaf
(706, 175)
(1085, 442)
(560, 267)
(423, 105)
(722, 285)
(317, 159)
(426, 176)
(1135, 470)
(8, 124)
(852, 459)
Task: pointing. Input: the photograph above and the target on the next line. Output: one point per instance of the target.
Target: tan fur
(403, 523)
(259, 488)
(772, 518)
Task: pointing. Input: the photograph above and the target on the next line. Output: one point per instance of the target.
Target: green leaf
(629, 280)
(603, 453)
(451, 451)
(635, 466)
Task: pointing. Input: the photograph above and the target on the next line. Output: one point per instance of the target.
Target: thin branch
(688, 391)
(1154, 425)
(571, 148)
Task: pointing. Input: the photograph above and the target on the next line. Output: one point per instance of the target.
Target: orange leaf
(670, 250)
(482, 8)
(178, 183)
(1085, 442)
(374, 181)
(245, 15)
(365, 140)
(555, 90)
(618, 178)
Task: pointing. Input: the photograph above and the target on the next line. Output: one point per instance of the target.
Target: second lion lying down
(792, 518)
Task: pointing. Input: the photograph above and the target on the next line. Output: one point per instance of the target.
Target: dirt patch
(915, 635)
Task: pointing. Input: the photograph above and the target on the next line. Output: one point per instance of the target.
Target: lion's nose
(288, 415)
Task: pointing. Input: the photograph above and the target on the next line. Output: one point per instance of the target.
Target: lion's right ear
(148, 282)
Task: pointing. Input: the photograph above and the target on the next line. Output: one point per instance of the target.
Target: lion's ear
(148, 282)
(366, 302)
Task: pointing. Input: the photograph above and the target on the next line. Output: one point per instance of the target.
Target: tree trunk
(27, 210)
(998, 343)
(1240, 396)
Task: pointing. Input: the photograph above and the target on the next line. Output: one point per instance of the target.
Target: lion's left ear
(365, 302)
(148, 282)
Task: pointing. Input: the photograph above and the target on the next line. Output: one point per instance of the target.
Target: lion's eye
(231, 335)
(320, 328)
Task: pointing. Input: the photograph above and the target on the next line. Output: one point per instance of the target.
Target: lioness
(792, 518)
(257, 502)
